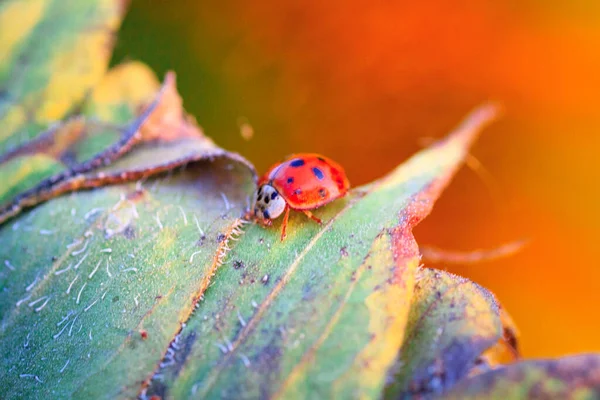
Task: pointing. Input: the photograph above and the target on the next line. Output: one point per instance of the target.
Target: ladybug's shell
(307, 181)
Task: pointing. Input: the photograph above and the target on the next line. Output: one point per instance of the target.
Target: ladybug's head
(268, 203)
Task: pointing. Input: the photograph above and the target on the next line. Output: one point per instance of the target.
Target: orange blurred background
(383, 76)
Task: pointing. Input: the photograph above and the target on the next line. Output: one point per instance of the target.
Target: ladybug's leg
(266, 222)
(311, 216)
(285, 222)
(251, 217)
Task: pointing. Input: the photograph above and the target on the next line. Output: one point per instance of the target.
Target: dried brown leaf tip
(169, 121)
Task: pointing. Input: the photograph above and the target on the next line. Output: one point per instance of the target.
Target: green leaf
(161, 127)
(124, 259)
(113, 115)
(573, 377)
(52, 52)
(85, 274)
(127, 269)
(322, 314)
(100, 267)
(452, 321)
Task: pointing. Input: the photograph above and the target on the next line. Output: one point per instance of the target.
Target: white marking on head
(268, 203)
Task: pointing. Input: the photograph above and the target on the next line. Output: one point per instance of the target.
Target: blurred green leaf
(573, 377)
(452, 321)
(52, 53)
(111, 117)
(98, 153)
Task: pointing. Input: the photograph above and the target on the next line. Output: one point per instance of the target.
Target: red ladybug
(302, 182)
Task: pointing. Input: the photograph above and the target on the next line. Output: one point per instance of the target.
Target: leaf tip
(476, 121)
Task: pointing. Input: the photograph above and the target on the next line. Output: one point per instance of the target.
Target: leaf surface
(119, 218)
(452, 321)
(87, 274)
(100, 267)
(52, 52)
(164, 137)
(573, 377)
(322, 314)
(108, 127)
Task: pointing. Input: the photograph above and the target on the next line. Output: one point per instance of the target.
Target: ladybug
(302, 182)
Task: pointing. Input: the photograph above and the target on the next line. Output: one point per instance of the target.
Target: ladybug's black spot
(298, 162)
(259, 198)
(267, 198)
(322, 192)
(318, 173)
(273, 195)
(290, 180)
(260, 191)
(266, 214)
